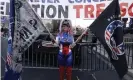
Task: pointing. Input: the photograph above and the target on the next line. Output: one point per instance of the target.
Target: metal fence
(129, 51)
(86, 56)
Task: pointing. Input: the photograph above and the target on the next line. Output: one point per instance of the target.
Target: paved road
(52, 74)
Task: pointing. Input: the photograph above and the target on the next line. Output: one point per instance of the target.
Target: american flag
(8, 59)
(108, 32)
(9, 50)
(8, 71)
(107, 35)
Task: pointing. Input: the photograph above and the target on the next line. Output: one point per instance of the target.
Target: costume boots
(69, 73)
(61, 72)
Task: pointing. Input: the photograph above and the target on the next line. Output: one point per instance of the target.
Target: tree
(56, 24)
(50, 26)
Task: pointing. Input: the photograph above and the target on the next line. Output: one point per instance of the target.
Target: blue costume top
(65, 38)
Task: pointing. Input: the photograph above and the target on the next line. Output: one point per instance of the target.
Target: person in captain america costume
(65, 40)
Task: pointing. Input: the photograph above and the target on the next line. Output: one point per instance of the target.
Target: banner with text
(71, 9)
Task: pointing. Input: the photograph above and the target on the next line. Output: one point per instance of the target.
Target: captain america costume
(65, 39)
(65, 53)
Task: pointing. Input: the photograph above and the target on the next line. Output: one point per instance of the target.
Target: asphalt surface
(98, 69)
(53, 74)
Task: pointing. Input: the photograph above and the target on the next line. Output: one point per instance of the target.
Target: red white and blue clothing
(65, 54)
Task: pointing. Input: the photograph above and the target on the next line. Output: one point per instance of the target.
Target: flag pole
(12, 69)
(78, 39)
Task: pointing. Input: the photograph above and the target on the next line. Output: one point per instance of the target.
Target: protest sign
(71, 9)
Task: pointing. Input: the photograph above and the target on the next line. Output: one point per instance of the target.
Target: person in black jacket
(125, 22)
(130, 28)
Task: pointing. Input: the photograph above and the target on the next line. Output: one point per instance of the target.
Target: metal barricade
(86, 56)
(92, 59)
(128, 41)
(40, 57)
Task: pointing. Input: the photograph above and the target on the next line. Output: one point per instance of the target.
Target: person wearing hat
(65, 39)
